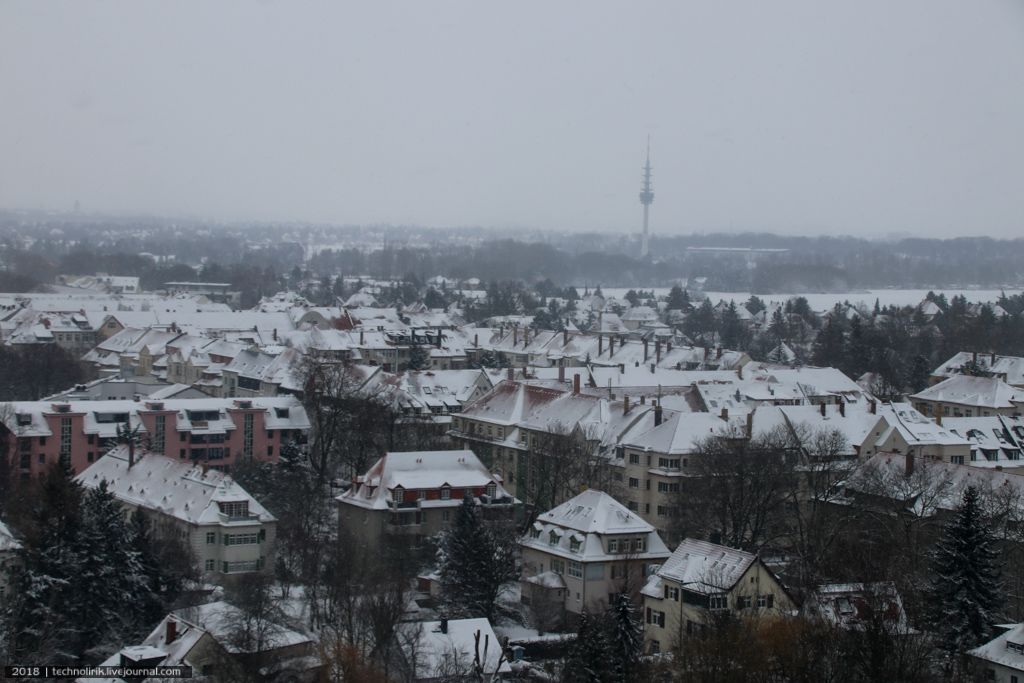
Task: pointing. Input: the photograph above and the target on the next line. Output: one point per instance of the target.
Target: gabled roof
(169, 486)
(430, 650)
(999, 650)
(680, 433)
(705, 567)
(981, 392)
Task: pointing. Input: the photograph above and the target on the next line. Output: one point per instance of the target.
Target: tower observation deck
(646, 198)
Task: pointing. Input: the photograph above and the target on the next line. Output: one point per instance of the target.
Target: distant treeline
(808, 264)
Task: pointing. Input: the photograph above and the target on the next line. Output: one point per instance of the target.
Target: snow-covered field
(822, 302)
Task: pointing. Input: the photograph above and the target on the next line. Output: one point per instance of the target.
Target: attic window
(24, 419)
(446, 493)
(235, 509)
(281, 412)
(534, 532)
(553, 537)
(574, 544)
(492, 490)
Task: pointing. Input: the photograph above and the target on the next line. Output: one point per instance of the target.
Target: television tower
(646, 198)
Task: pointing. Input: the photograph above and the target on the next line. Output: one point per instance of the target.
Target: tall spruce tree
(967, 593)
(476, 560)
(625, 639)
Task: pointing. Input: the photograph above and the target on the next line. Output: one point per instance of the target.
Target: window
(42, 458)
(446, 515)
(655, 617)
(634, 459)
(421, 494)
(492, 490)
(553, 537)
(668, 487)
(534, 532)
(558, 566)
(235, 509)
(619, 570)
(90, 456)
(718, 602)
(766, 601)
(672, 593)
(745, 602)
(247, 435)
(654, 647)
(956, 459)
(42, 441)
(668, 463)
(575, 569)
(211, 537)
(398, 495)
(270, 451)
(638, 545)
(241, 539)
(633, 506)
(158, 434)
(574, 544)
(613, 546)
(625, 545)
(211, 565)
(634, 483)
(446, 493)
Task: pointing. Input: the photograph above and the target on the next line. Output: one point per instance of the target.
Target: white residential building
(1002, 658)
(226, 528)
(586, 551)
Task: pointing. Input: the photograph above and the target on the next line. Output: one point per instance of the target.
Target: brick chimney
(600, 344)
(938, 414)
(718, 353)
(510, 373)
(993, 359)
(822, 409)
(910, 462)
(625, 405)
(611, 346)
(842, 408)
(444, 625)
(874, 406)
(657, 350)
(653, 366)
(131, 452)
(438, 342)
(476, 340)
(515, 336)
(361, 341)
(565, 337)
(750, 425)
(646, 349)
(561, 373)
(576, 383)
(725, 413)
(657, 414)
(172, 632)
(668, 347)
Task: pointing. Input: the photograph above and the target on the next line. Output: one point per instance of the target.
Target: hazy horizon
(867, 119)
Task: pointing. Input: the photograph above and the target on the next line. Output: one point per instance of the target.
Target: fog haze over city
(796, 117)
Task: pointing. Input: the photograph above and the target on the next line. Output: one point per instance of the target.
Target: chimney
(657, 414)
(561, 373)
(643, 399)
(444, 625)
(718, 353)
(131, 452)
(625, 405)
(974, 357)
(510, 373)
(600, 344)
(822, 407)
(172, 632)
(622, 368)
(611, 346)
(874, 407)
(476, 340)
(993, 358)
(438, 342)
(645, 350)
(652, 368)
(576, 383)
(668, 347)
(707, 352)
(515, 336)
(739, 372)
(361, 337)
(725, 413)
(842, 408)
(565, 337)
(938, 414)
(657, 350)
(910, 462)
(750, 425)
(275, 334)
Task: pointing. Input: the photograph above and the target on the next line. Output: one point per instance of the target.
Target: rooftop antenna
(646, 198)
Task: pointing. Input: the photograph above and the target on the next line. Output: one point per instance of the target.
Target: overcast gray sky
(798, 116)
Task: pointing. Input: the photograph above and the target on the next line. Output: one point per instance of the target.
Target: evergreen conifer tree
(967, 593)
(589, 659)
(625, 639)
(475, 561)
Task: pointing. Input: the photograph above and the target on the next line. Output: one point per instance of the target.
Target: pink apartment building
(217, 431)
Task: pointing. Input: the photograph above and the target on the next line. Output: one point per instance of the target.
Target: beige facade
(700, 582)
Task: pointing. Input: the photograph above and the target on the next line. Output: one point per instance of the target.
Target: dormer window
(24, 419)
(398, 495)
(553, 538)
(574, 544)
(446, 492)
(639, 545)
(613, 546)
(534, 532)
(235, 509)
(492, 490)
